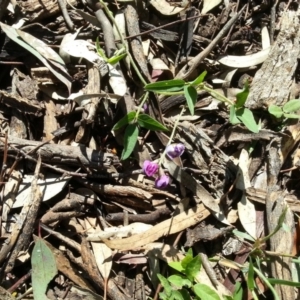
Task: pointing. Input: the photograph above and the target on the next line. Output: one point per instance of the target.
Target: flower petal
(150, 168)
(162, 182)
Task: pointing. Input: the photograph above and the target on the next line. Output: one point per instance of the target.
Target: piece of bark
(92, 271)
(35, 10)
(116, 190)
(89, 113)
(214, 164)
(21, 104)
(161, 34)
(273, 82)
(50, 121)
(136, 42)
(207, 233)
(259, 196)
(281, 242)
(28, 220)
(150, 218)
(57, 154)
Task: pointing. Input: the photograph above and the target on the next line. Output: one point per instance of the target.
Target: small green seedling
(118, 55)
(287, 111)
(183, 284)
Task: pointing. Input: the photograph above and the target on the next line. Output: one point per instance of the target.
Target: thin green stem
(145, 97)
(217, 95)
(172, 135)
(123, 42)
(266, 281)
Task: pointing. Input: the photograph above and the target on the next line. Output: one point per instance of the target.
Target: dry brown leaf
(176, 224)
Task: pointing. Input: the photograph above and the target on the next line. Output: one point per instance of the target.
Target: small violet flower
(150, 167)
(162, 182)
(174, 150)
(146, 108)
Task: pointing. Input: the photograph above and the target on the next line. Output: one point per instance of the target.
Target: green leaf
(242, 96)
(291, 116)
(61, 74)
(278, 225)
(193, 268)
(176, 295)
(199, 79)
(284, 282)
(149, 123)
(232, 116)
(43, 269)
(250, 279)
(275, 110)
(115, 59)
(291, 106)
(188, 257)
(176, 265)
(185, 294)
(179, 281)
(190, 94)
(246, 117)
(204, 292)
(267, 283)
(130, 139)
(125, 120)
(164, 282)
(243, 235)
(99, 50)
(238, 291)
(163, 296)
(173, 85)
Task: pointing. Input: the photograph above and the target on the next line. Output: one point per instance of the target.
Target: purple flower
(150, 167)
(174, 150)
(162, 182)
(146, 108)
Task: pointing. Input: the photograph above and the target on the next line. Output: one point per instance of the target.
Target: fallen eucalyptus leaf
(175, 224)
(246, 60)
(43, 269)
(50, 187)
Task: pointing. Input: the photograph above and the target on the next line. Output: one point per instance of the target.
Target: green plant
(287, 111)
(183, 285)
(257, 256)
(238, 113)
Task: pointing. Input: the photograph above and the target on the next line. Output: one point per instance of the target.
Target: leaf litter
(82, 110)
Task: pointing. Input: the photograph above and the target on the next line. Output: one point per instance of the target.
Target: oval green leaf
(291, 106)
(242, 96)
(250, 277)
(190, 94)
(232, 116)
(179, 281)
(173, 85)
(149, 123)
(203, 291)
(199, 79)
(130, 139)
(176, 265)
(193, 268)
(125, 120)
(246, 117)
(275, 110)
(43, 268)
(291, 116)
(165, 283)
